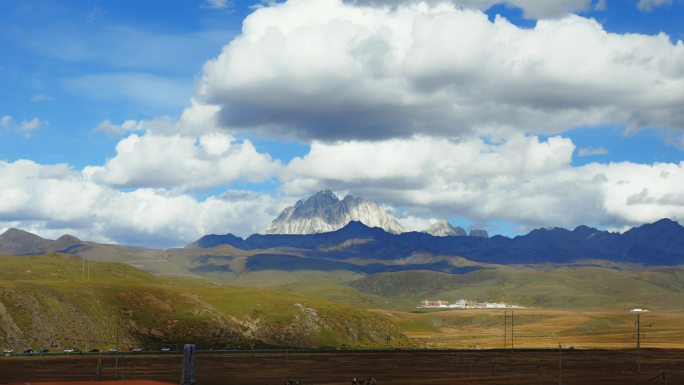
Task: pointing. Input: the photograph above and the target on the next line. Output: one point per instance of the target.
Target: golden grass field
(537, 328)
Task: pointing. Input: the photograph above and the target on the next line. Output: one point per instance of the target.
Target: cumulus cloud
(589, 151)
(322, 69)
(533, 9)
(6, 121)
(110, 128)
(601, 5)
(524, 180)
(181, 162)
(29, 125)
(49, 198)
(649, 5)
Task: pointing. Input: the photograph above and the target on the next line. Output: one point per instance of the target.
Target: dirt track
(472, 367)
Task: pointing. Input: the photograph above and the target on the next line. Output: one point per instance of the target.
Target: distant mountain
(445, 229)
(478, 233)
(324, 212)
(20, 242)
(660, 243)
(357, 250)
(213, 240)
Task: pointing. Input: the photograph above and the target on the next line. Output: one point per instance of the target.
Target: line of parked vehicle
(30, 352)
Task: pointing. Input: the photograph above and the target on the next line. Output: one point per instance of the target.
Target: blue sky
(123, 121)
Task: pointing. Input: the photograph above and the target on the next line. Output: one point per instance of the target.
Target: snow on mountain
(324, 212)
(445, 229)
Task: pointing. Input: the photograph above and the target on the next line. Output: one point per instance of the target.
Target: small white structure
(460, 304)
(466, 304)
(639, 310)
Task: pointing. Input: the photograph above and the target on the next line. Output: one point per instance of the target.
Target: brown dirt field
(102, 382)
(400, 367)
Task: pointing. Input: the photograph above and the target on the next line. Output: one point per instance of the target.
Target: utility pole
(638, 338)
(505, 329)
(560, 364)
(511, 331)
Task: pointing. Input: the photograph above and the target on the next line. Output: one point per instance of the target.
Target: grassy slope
(550, 287)
(224, 264)
(44, 302)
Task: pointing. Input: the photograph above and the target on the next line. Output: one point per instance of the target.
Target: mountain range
(364, 249)
(659, 243)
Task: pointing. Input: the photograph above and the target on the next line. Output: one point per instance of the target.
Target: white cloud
(108, 127)
(30, 125)
(41, 98)
(320, 69)
(52, 198)
(533, 9)
(649, 5)
(582, 152)
(181, 162)
(6, 121)
(216, 4)
(523, 180)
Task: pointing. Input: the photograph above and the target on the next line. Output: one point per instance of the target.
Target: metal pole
(638, 325)
(505, 329)
(560, 364)
(116, 357)
(511, 331)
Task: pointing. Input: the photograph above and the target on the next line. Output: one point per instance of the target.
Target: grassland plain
(49, 301)
(539, 328)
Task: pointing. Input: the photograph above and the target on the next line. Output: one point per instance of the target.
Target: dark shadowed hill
(659, 243)
(20, 242)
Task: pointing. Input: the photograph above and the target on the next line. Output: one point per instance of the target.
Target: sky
(153, 123)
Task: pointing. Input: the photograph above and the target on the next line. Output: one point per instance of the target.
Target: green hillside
(559, 287)
(52, 302)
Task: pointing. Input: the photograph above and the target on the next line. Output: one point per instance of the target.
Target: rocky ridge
(445, 229)
(324, 212)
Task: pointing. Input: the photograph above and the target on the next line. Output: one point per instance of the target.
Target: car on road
(8, 351)
(28, 352)
(113, 350)
(93, 351)
(44, 351)
(137, 350)
(69, 350)
(165, 350)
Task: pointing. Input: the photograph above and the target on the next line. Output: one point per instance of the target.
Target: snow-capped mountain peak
(325, 212)
(445, 229)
